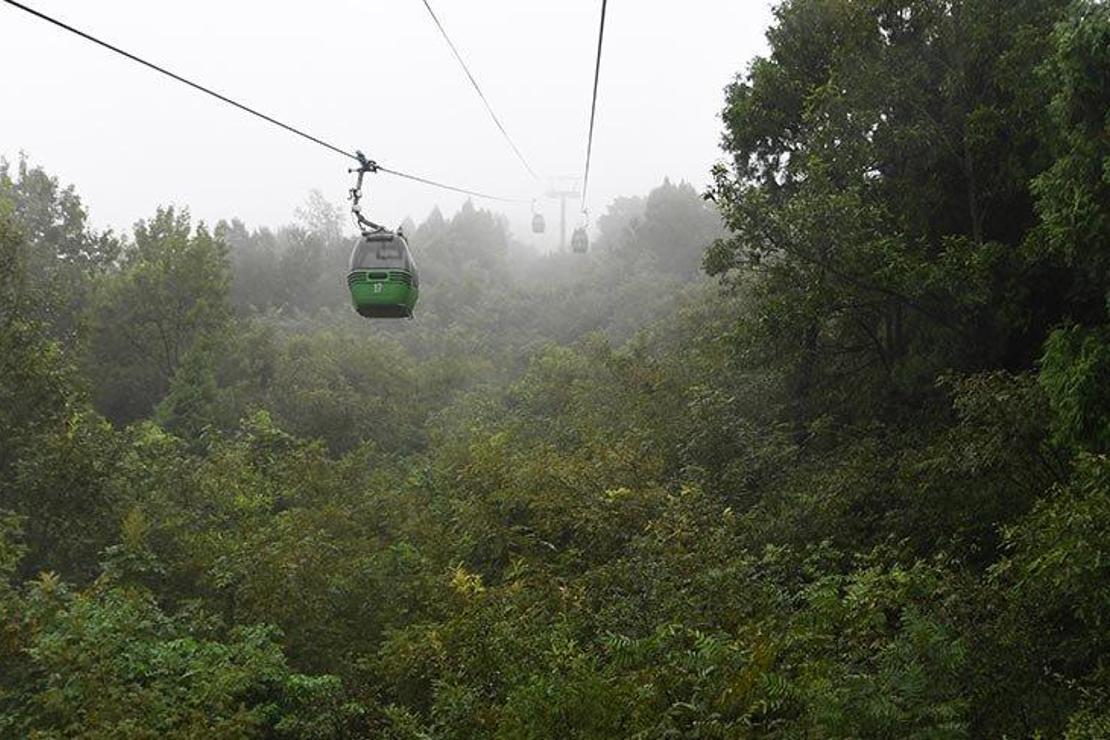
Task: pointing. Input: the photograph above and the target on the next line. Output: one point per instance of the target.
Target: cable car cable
(445, 186)
(179, 78)
(593, 106)
(478, 89)
(248, 109)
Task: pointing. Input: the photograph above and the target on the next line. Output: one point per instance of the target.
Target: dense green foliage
(854, 484)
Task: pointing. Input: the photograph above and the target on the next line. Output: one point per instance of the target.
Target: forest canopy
(823, 451)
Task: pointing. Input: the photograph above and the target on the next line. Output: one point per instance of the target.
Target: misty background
(373, 75)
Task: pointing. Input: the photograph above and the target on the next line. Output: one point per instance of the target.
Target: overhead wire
(247, 109)
(478, 89)
(445, 186)
(593, 106)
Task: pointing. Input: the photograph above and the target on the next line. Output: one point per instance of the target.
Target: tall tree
(61, 253)
(172, 289)
(879, 187)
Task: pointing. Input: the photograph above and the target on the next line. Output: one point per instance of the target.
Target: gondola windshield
(384, 251)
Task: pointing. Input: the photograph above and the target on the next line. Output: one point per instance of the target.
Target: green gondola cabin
(382, 277)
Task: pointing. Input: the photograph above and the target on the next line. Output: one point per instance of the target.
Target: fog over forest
(374, 75)
(810, 442)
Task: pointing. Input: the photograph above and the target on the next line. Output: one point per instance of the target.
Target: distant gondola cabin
(382, 277)
(538, 223)
(579, 241)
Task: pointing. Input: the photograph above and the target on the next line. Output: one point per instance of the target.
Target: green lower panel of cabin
(388, 294)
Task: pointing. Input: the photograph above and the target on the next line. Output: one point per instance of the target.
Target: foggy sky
(373, 75)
